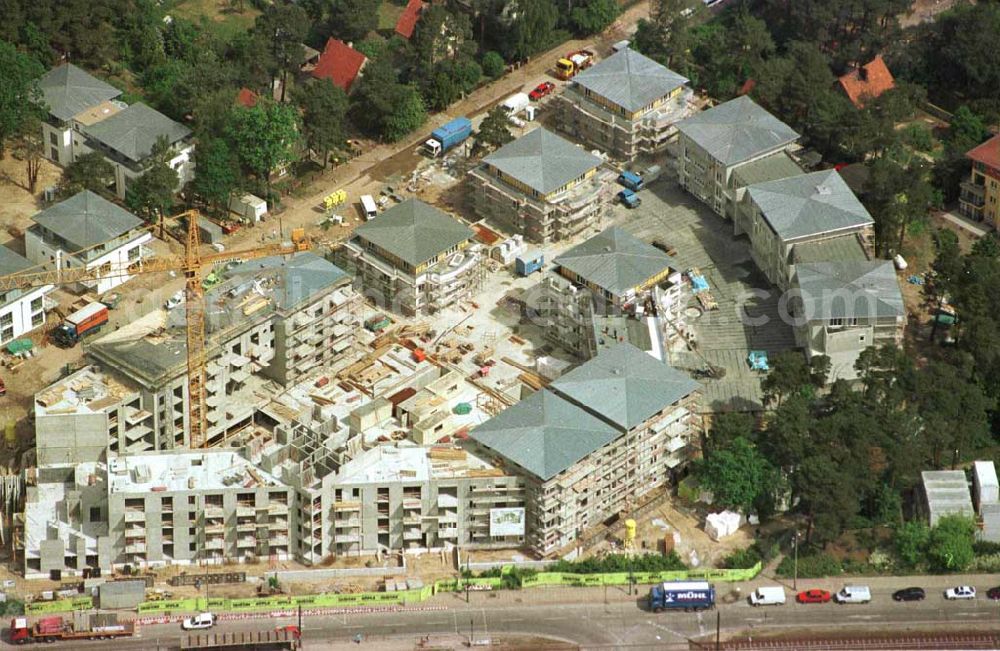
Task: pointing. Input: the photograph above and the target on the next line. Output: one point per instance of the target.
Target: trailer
(284, 639)
(84, 626)
(529, 262)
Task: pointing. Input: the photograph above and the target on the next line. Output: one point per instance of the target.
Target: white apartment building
(21, 310)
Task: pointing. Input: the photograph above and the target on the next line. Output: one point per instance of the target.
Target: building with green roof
(414, 258)
(627, 105)
(542, 186)
(594, 441)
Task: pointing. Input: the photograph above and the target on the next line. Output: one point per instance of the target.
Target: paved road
(621, 623)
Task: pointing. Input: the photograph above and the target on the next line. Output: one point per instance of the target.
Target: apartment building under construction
(414, 259)
(543, 187)
(627, 105)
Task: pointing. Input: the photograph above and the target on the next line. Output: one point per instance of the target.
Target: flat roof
(843, 248)
(409, 463)
(542, 161)
(414, 232)
(737, 131)
(778, 165)
(88, 391)
(616, 261)
(809, 204)
(176, 472)
(630, 80)
(839, 290)
(947, 492)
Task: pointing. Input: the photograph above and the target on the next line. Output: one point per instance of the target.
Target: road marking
(975, 614)
(701, 624)
(755, 620)
(864, 616)
(668, 630)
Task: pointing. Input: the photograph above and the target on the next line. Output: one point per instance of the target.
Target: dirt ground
(17, 205)
(925, 10)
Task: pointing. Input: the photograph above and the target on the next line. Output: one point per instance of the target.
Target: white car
(175, 301)
(960, 592)
(201, 620)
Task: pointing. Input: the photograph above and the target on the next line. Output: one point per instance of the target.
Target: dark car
(993, 593)
(909, 594)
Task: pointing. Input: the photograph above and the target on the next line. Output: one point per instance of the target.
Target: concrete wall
(71, 438)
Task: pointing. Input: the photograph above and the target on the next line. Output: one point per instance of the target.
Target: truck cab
(20, 632)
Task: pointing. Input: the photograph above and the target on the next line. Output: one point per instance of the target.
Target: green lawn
(218, 13)
(388, 15)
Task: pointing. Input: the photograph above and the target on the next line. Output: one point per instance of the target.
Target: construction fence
(401, 597)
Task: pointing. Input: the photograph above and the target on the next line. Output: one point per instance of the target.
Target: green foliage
(621, 563)
(371, 47)
(738, 475)
(152, 194)
(90, 171)
(384, 107)
(594, 16)
(950, 546)
(11, 607)
(352, 20)
(324, 107)
(493, 130)
(919, 137)
(532, 30)
(493, 65)
(911, 540)
(218, 173)
(265, 137)
(19, 94)
(742, 558)
(811, 566)
(727, 427)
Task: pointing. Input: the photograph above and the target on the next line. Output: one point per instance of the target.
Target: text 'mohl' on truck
(682, 595)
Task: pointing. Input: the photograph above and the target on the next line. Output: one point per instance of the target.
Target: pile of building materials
(721, 525)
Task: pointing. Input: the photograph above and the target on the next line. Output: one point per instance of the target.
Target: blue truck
(528, 263)
(682, 595)
(630, 180)
(447, 136)
(629, 199)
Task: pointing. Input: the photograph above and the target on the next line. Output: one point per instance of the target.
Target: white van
(516, 103)
(767, 596)
(853, 594)
(199, 621)
(368, 207)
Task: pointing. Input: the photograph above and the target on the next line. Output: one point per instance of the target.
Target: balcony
(135, 516)
(214, 512)
(411, 503)
(347, 538)
(973, 194)
(245, 511)
(215, 543)
(347, 506)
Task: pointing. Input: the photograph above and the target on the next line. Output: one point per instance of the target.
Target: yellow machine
(334, 199)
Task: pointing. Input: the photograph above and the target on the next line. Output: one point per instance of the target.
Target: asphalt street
(618, 624)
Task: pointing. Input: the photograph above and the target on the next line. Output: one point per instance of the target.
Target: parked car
(960, 592)
(175, 301)
(814, 596)
(541, 90)
(199, 621)
(909, 594)
(289, 628)
(993, 593)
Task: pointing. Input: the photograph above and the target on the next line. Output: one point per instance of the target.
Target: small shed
(121, 594)
(946, 492)
(250, 208)
(985, 484)
(210, 232)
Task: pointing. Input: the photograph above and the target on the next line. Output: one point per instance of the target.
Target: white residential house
(21, 310)
(84, 116)
(89, 231)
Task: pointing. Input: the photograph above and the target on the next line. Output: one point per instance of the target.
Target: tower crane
(191, 265)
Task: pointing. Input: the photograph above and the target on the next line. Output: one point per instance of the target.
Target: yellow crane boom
(191, 265)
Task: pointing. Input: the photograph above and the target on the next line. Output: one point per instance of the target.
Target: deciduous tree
(265, 137)
(19, 94)
(90, 171)
(324, 107)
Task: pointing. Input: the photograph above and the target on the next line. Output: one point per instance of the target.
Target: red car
(541, 90)
(814, 596)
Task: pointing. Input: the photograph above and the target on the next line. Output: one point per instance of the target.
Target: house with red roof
(408, 19)
(340, 63)
(247, 98)
(867, 82)
(979, 198)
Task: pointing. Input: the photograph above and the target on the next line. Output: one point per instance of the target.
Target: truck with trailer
(682, 595)
(83, 626)
(630, 180)
(573, 63)
(85, 321)
(447, 136)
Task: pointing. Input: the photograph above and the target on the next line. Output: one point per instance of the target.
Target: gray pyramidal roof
(630, 80)
(809, 204)
(87, 219)
(68, 91)
(544, 434)
(133, 131)
(625, 385)
(542, 161)
(615, 260)
(736, 131)
(838, 290)
(301, 276)
(414, 232)
(12, 262)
